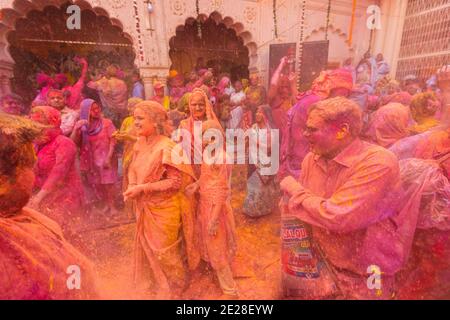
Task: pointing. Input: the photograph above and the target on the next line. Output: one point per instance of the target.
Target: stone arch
(238, 27)
(20, 13)
(21, 8)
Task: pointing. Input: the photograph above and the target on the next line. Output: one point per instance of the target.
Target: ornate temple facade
(150, 29)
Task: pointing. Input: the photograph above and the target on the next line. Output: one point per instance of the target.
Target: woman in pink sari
(37, 262)
(164, 214)
(215, 218)
(58, 183)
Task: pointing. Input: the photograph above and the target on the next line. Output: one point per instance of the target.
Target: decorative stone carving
(250, 15)
(216, 5)
(178, 7)
(116, 4)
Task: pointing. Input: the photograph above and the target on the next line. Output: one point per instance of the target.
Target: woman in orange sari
(215, 219)
(164, 214)
(200, 109)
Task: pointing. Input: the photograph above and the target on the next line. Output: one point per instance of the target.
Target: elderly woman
(201, 110)
(98, 161)
(164, 214)
(34, 255)
(58, 183)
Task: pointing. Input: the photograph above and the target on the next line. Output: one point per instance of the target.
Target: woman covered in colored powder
(98, 161)
(34, 255)
(215, 218)
(164, 214)
(60, 193)
(200, 110)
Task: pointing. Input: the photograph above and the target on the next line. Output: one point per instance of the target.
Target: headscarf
(210, 115)
(85, 111)
(389, 124)
(332, 79)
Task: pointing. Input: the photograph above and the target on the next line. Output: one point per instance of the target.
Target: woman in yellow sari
(164, 214)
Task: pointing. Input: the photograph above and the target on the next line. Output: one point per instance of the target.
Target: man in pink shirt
(349, 193)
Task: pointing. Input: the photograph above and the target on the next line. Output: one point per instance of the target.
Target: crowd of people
(364, 161)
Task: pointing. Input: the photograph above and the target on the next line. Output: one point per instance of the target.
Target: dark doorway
(220, 47)
(41, 42)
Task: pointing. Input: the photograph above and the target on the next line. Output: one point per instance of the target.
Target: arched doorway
(339, 49)
(41, 42)
(222, 46)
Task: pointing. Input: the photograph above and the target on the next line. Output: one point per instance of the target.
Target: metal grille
(425, 44)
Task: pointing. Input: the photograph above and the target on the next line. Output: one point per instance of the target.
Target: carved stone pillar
(149, 75)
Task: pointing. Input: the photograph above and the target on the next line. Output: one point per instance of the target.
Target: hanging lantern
(150, 7)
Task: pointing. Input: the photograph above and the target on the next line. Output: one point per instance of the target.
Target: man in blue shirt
(138, 87)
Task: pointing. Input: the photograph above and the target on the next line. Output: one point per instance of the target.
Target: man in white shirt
(55, 99)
